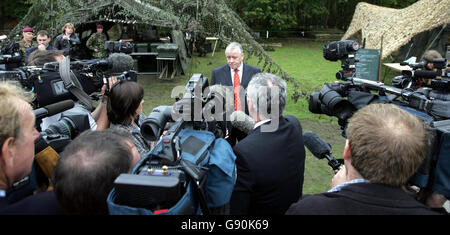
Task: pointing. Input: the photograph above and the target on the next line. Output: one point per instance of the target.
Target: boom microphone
(52, 109)
(120, 62)
(242, 121)
(320, 149)
(116, 63)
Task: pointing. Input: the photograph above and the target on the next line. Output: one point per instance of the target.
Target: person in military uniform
(26, 42)
(199, 43)
(97, 43)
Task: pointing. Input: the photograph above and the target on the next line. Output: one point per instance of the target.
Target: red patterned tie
(237, 86)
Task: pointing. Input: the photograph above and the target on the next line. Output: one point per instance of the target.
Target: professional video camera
(194, 111)
(440, 77)
(59, 134)
(163, 178)
(50, 87)
(119, 47)
(331, 99)
(344, 51)
(10, 56)
(430, 104)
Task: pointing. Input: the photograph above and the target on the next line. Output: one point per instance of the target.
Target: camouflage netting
(397, 26)
(211, 17)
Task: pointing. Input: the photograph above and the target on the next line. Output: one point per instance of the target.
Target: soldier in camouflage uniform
(97, 43)
(26, 42)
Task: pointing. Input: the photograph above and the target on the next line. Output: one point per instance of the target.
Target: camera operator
(270, 160)
(428, 57)
(87, 168)
(68, 41)
(17, 153)
(97, 119)
(385, 146)
(124, 110)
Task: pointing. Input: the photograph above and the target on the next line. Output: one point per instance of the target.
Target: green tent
(214, 18)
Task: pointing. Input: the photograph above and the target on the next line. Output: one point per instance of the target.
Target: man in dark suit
(235, 74)
(385, 146)
(270, 160)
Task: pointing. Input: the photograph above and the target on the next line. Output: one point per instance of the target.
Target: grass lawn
(303, 60)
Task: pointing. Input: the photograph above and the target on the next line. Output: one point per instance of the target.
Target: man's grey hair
(234, 46)
(267, 93)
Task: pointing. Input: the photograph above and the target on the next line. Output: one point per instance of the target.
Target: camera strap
(72, 84)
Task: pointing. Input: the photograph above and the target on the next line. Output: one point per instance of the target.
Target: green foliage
(14, 9)
(279, 15)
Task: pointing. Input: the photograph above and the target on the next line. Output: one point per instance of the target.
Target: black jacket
(222, 76)
(270, 168)
(44, 203)
(360, 199)
(69, 47)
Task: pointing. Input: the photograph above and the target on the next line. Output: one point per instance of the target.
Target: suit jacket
(270, 168)
(44, 203)
(360, 199)
(222, 76)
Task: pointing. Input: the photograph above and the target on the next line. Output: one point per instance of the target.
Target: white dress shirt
(240, 68)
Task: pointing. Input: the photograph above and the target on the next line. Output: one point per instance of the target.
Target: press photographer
(191, 165)
(56, 79)
(430, 104)
(370, 181)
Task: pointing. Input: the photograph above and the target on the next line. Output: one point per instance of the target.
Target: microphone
(321, 149)
(53, 109)
(226, 94)
(120, 62)
(426, 74)
(242, 121)
(116, 63)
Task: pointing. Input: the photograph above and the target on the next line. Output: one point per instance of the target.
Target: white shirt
(261, 122)
(240, 68)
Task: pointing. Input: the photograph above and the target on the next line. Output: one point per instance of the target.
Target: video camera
(440, 77)
(47, 83)
(160, 181)
(430, 104)
(331, 99)
(10, 56)
(344, 51)
(193, 110)
(119, 47)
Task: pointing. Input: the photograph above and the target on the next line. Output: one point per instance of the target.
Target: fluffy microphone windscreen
(318, 147)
